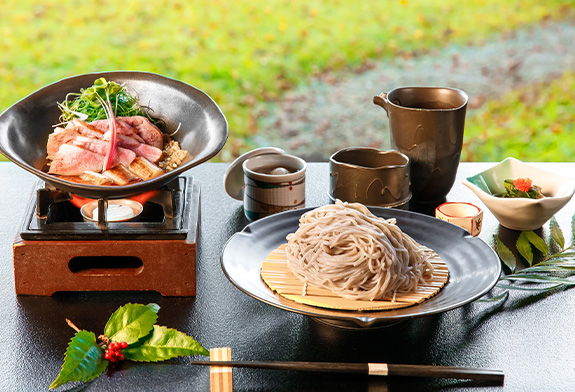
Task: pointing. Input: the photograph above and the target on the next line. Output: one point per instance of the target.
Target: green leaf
(573, 228)
(131, 322)
(83, 361)
(566, 264)
(538, 242)
(534, 278)
(515, 287)
(524, 247)
(556, 233)
(163, 343)
(550, 268)
(505, 254)
(503, 296)
(562, 255)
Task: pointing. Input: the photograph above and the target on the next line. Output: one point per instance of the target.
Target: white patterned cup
(465, 215)
(273, 183)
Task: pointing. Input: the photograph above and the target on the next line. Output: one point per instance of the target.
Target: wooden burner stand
(168, 266)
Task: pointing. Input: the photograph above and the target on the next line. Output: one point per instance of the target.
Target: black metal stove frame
(51, 216)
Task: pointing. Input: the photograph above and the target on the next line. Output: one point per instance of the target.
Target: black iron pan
(25, 126)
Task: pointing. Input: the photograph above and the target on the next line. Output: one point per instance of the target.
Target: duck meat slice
(121, 128)
(122, 156)
(151, 153)
(72, 160)
(85, 129)
(146, 130)
(57, 138)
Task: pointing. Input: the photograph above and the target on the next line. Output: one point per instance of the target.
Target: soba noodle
(345, 248)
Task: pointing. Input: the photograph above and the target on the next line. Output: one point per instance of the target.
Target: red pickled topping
(523, 184)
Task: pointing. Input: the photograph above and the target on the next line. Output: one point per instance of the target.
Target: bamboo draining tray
(279, 278)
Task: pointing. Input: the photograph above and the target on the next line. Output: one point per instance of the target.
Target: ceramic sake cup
(273, 183)
(465, 215)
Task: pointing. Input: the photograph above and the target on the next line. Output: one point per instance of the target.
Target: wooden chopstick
(375, 369)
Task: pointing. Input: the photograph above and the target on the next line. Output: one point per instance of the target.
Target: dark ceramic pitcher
(426, 124)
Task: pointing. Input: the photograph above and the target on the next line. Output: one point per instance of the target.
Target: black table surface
(530, 337)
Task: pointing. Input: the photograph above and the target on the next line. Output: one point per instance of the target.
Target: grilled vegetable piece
(145, 169)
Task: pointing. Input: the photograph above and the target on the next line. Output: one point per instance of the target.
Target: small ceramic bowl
(521, 213)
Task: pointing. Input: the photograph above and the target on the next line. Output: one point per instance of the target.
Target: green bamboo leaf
(556, 232)
(538, 242)
(541, 288)
(163, 343)
(524, 247)
(563, 255)
(573, 228)
(550, 268)
(503, 296)
(83, 361)
(559, 260)
(533, 278)
(505, 254)
(131, 322)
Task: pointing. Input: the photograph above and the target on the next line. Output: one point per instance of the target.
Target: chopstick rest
(374, 369)
(220, 376)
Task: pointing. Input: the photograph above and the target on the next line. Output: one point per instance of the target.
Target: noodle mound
(346, 249)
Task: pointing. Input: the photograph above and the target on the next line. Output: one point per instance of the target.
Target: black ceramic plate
(473, 266)
(25, 126)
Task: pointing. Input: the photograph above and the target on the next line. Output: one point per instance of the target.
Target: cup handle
(381, 100)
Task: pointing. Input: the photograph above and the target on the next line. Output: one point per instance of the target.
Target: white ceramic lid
(234, 177)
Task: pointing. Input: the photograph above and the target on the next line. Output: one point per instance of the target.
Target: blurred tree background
(246, 54)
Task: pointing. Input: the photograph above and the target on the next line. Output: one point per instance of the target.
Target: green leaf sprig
(133, 324)
(550, 273)
(88, 105)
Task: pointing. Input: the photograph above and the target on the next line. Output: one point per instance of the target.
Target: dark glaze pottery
(426, 124)
(25, 126)
(369, 176)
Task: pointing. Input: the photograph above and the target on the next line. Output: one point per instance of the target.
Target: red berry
(121, 357)
(108, 355)
(113, 359)
(117, 354)
(124, 344)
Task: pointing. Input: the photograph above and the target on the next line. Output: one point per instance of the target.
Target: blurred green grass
(240, 52)
(533, 123)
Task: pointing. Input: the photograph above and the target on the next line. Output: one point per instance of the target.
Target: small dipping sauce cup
(273, 183)
(370, 177)
(465, 215)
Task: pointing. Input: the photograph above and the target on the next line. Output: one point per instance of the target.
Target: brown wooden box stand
(166, 266)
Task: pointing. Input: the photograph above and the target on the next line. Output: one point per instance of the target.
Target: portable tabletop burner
(57, 250)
